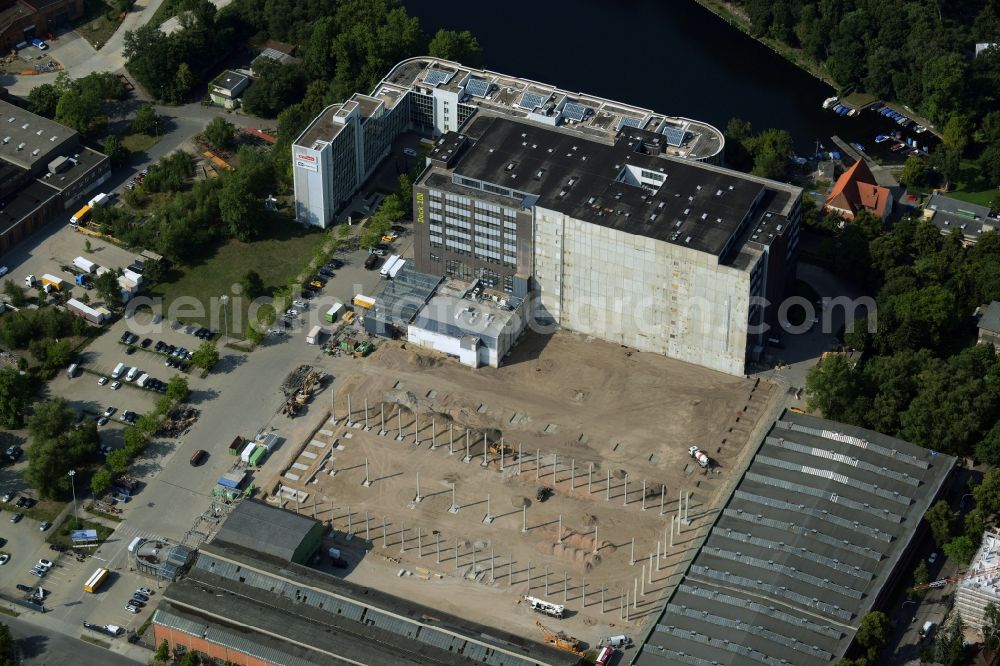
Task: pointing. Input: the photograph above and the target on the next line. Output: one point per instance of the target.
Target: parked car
(110, 410)
(115, 386)
(316, 284)
(44, 526)
(131, 609)
(145, 590)
(102, 421)
(102, 381)
(14, 452)
(24, 588)
(48, 564)
(146, 342)
(4, 559)
(8, 497)
(57, 547)
(301, 305)
(335, 264)
(326, 272)
(139, 596)
(378, 251)
(38, 572)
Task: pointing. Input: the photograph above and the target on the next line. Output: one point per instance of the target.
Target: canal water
(674, 57)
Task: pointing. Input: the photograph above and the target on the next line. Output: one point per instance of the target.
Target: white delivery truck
(99, 200)
(387, 266)
(314, 335)
(117, 372)
(398, 266)
(132, 374)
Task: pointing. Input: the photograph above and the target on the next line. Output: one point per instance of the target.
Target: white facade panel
(312, 190)
(640, 292)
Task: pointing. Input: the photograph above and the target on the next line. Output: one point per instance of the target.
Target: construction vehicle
(560, 640)
(700, 456)
(507, 451)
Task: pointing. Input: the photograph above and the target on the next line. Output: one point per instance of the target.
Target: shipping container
(258, 455)
(247, 450)
(362, 301)
(334, 312)
(236, 446)
(232, 480)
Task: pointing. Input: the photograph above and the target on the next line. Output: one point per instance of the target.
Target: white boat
(828, 102)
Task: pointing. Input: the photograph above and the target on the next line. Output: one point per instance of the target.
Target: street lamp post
(225, 314)
(72, 482)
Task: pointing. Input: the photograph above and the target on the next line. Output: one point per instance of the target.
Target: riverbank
(737, 18)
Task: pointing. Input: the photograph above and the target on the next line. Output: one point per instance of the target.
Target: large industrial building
(819, 530)
(44, 171)
(981, 584)
(606, 219)
(341, 148)
(248, 601)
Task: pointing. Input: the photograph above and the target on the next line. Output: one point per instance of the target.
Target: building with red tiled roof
(857, 190)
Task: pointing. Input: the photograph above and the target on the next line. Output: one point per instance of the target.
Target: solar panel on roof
(477, 87)
(674, 135)
(575, 111)
(434, 77)
(628, 121)
(531, 100)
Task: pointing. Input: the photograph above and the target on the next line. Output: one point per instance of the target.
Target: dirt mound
(519, 501)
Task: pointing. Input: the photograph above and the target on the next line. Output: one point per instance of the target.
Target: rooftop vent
(11, 119)
(35, 152)
(6, 139)
(20, 146)
(39, 132)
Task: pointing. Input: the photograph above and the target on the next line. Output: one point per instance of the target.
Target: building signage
(420, 207)
(306, 162)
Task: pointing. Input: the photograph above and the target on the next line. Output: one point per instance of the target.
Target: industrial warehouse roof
(266, 529)
(27, 139)
(236, 593)
(696, 205)
(801, 552)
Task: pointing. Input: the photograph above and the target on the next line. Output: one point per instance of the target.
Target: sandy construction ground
(593, 422)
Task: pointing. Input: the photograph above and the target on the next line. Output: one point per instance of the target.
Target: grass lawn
(60, 534)
(99, 22)
(859, 99)
(45, 510)
(972, 189)
(139, 143)
(278, 258)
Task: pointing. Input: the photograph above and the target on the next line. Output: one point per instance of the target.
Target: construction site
(580, 474)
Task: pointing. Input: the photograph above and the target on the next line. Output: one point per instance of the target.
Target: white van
(132, 374)
(71, 372)
(141, 382)
(117, 372)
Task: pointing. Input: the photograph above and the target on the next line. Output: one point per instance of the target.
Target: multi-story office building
(610, 220)
(341, 148)
(617, 240)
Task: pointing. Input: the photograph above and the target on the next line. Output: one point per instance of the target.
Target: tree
(275, 87)
(991, 626)
(57, 447)
(219, 133)
(205, 356)
(6, 646)
(253, 285)
(921, 576)
(146, 121)
(79, 109)
(873, 632)
(162, 651)
(941, 520)
(44, 99)
(107, 288)
(177, 388)
(14, 293)
(135, 441)
(101, 481)
(15, 396)
(961, 549)
(183, 82)
(460, 47)
(833, 388)
(957, 133)
(239, 208)
(913, 172)
(949, 647)
(189, 659)
(118, 461)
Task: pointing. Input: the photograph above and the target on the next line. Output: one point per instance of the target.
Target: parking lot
(25, 543)
(57, 250)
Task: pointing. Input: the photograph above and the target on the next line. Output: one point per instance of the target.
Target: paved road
(81, 59)
(51, 649)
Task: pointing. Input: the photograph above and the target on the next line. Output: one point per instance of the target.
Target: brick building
(23, 20)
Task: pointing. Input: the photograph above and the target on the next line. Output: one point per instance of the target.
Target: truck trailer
(50, 282)
(334, 312)
(83, 310)
(85, 265)
(314, 335)
(362, 301)
(387, 266)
